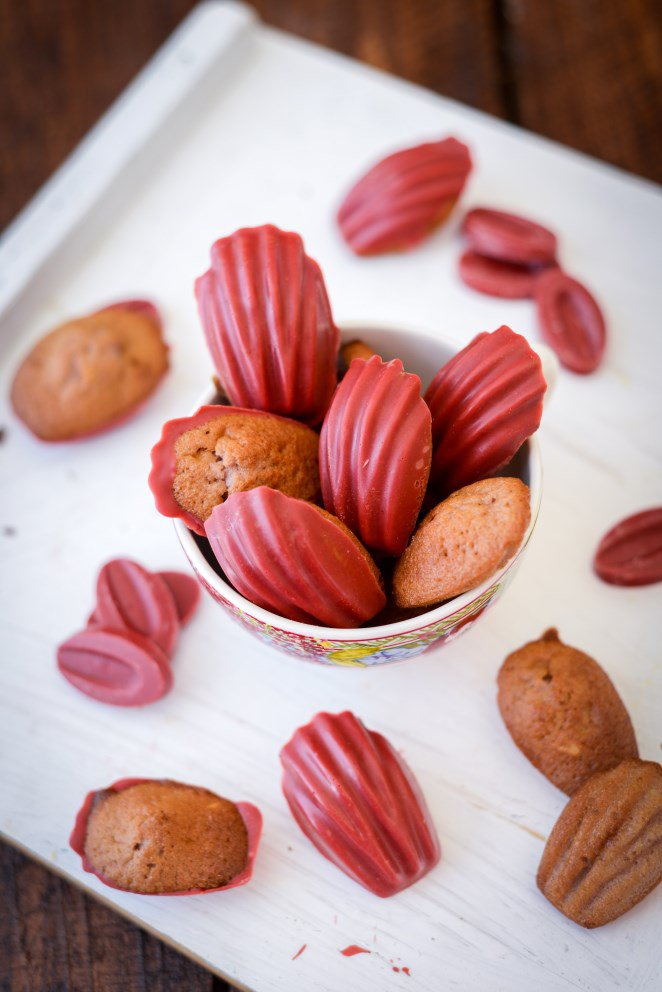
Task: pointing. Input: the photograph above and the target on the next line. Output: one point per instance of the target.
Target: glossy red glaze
(250, 815)
(287, 556)
(485, 402)
(507, 280)
(267, 319)
(162, 473)
(118, 667)
(131, 598)
(630, 554)
(508, 237)
(185, 591)
(375, 451)
(357, 801)
(571, 321)
(404, 197)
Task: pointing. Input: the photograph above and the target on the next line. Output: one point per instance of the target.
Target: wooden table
(588, 75)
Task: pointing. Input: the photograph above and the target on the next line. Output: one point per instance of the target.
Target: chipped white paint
(277, 139)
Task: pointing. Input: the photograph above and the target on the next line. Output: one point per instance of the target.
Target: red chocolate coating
(398, 202)
(250, 815)
(185, 591)
(131, 598)
(118, 667)
(571, 321)
(357, 801)
(630, 554)
(485, 402)
(290, 557)
(508, 237)
(268, 324)
(375, 452)
(507, 280)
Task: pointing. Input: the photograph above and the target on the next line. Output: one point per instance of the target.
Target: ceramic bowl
(422, 353)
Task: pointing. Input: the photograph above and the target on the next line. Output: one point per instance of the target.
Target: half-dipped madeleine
(159, 837)
(201, 460)
(485, 402)
(357, 801)
(267, 320)
(462, 542)
(294, 559)
(402, 198)
(375, 450)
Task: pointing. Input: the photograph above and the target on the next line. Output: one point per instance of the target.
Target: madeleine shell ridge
(267, 321)
(604, 854)
(294, 559)
(375, 452)
(355, 798)
(485, 402)
(402, 198)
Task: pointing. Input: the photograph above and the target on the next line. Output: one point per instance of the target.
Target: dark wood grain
(584, 72)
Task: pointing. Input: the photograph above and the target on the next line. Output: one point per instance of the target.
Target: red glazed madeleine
(293, 558)
(357, 801)
(404, 197)
(508, 280)
(131, 598)
(185, 592)
(375, 451)
(117, 667)
(245, 448)
(268, 324)
(485, 402)
(571, 321)
(508, 237)
(630, 554)
(249, 813)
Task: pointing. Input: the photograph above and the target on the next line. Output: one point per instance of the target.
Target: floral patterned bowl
(422, 353)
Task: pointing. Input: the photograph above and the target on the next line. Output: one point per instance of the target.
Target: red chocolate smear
(375, 453)
(300, 951)
(268, 324)
(508, 237)
(357, 801)
(401, 199)
(630, 554)
(407, 972)
(485, 402)
(353, 950)
(571, 322)
(285, 555)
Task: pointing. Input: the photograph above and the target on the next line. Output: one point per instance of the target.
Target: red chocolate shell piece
(268, 324)
(292, 558)
(630, 554)
(508, 237)
(404, 197)
(185, 591)
(118, 667)
(131, 598)
(571, 321)
(250, 814)
(507, 280)
(357, 801)
(485, 402)
(375, 451)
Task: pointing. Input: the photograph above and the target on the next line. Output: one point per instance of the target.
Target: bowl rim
(422, 620)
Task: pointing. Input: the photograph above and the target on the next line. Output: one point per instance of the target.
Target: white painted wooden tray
(235, 124)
